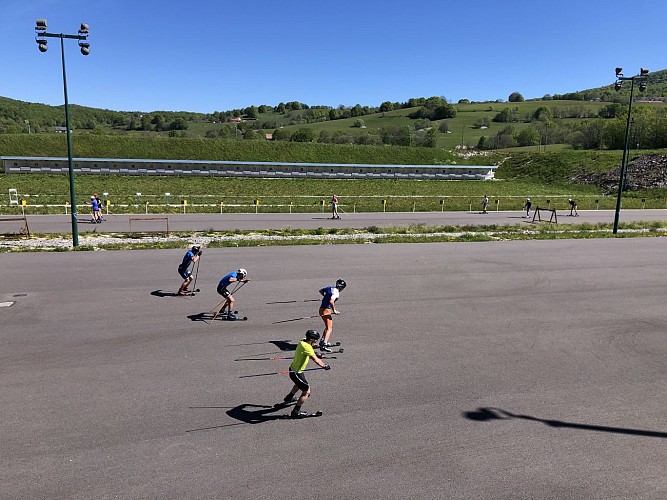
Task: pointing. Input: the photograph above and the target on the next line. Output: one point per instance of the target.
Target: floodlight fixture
(641, 80)
(82, 36)
(42, 43)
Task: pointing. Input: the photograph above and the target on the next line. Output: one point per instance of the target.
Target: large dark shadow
(207, 317)
(248, 414)
(284, 345)
(488, 414)
(162, 293)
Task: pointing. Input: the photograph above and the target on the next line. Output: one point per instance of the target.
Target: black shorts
(299, 380)
(222, 290)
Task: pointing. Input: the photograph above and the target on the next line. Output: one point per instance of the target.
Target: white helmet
(243, 272)
(527, 199)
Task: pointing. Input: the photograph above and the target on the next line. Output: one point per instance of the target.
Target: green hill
(586, 119)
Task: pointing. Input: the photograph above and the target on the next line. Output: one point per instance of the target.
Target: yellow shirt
(302, 355)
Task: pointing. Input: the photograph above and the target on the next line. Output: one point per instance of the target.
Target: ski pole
(239, 285)
(279, 373)
(194, 287)
(295, 319)
(279, 358)
(292, 301)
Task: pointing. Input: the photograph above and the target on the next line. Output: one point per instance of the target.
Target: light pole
(641, 78)
(40, 37)
(462, 143)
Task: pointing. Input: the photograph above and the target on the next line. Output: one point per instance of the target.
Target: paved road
(201, 222)
(504, 370)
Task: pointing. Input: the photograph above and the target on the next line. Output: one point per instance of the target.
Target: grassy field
(301, 195)
(546, 177)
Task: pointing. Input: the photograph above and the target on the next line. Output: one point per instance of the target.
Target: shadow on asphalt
(161, 293)
(283, 345)
(487, 414)
(247, 414)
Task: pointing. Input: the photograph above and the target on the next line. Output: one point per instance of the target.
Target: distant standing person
(334, 207)
(485, 204)
(330, 295)
(573, 207)
(527, 206)
(99, 207)
(95, 208)
(304, 353)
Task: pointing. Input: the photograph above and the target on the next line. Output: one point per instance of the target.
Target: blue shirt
(330, 292)
(226, 279)
(95, 205)
(187, 259)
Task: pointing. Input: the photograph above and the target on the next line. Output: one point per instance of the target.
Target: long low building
(115, 166)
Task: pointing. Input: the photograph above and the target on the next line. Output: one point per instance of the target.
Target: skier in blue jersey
(228, 279)
(184, 270)
(330, 295)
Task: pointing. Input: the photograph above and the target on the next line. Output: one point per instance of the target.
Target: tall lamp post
(40, 37)
(641, 78)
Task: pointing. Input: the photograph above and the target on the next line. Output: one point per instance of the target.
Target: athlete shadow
(161, 293)
(247, 414)
(205, 317)
(283, 345)
(487, 414)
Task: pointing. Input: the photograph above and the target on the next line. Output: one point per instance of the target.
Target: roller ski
(302, 414)
(187, 292)
(326, 346)
(232, 317)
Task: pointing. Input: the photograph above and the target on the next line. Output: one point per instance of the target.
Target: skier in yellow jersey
(304, 353)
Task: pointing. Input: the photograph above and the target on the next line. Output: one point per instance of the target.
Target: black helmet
(196, 248)
(312, 335)
(340, 284)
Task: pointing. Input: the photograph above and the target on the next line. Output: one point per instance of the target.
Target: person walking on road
(527, 206)
(233, 277)
(99, 207)
(334, 207)
(95, 208)
(573, 207)
(304, 353)
(330, 295)
(190, 257)
(485, 204)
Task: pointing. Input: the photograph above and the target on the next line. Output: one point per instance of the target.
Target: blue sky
(207, 56)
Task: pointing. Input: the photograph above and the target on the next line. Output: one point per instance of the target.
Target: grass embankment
(544, 177)
(176, 148)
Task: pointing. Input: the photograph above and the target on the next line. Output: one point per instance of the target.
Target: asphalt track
(225, 222)
(499, 370)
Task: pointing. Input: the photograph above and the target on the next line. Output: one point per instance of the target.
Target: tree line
(604, 130)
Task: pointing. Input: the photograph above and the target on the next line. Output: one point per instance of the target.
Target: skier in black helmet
(330, 295)
(184, 270)
(304, 353)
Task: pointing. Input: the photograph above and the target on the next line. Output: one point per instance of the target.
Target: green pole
(72, 194)
(624, 161)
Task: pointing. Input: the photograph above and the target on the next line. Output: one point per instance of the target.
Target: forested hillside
(587, 119)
